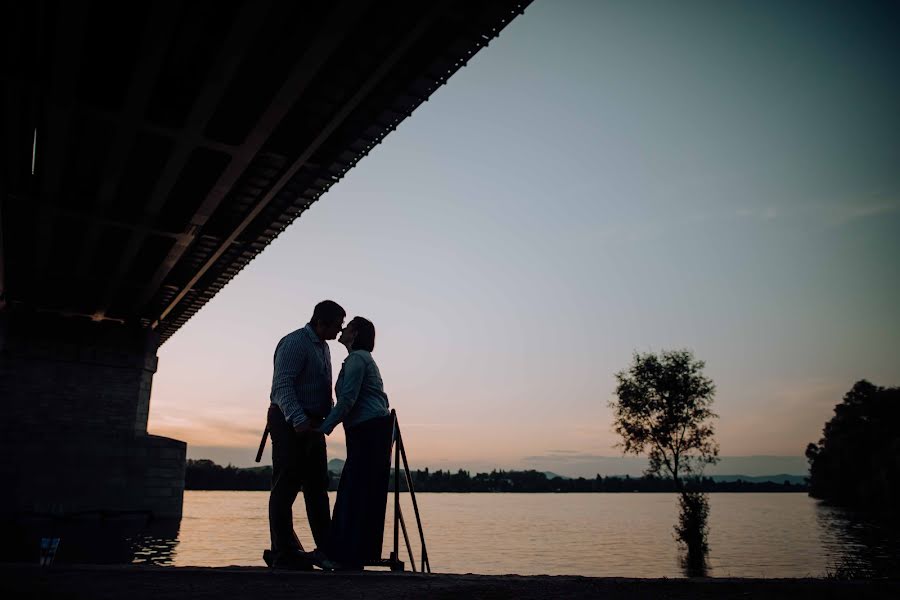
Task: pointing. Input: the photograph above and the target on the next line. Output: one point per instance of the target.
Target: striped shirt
(301, 379)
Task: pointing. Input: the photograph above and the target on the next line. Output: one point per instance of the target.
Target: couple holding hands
(301, 414)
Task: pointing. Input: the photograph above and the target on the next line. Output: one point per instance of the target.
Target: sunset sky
(605, 177)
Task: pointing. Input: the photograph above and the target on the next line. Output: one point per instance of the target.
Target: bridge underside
(150, 151)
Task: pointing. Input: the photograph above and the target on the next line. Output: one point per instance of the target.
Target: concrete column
(74, 402)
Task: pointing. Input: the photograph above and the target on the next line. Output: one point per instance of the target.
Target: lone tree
(663, 409)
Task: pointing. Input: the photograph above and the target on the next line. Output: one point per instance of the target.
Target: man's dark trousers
(299, 461)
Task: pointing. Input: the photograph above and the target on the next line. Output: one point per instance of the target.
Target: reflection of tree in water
(692, 531)
(859, 545)
(155, 545)
(693, 563)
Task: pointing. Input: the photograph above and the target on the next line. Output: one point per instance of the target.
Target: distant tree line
(207, 475)
(536, 481)
(204, 474)
(857, 461)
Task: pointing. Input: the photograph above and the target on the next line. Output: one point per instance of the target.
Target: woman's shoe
(319, 559)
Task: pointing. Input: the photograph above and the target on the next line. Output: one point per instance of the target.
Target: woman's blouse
(359, 391)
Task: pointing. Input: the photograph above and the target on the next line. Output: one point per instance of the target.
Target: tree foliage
(857, 461)
(663, 409)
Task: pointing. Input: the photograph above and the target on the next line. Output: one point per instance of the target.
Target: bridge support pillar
(74, 402)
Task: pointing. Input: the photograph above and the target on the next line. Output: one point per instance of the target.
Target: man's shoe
(292, 561)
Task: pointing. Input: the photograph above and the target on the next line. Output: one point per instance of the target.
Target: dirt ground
(140, 583)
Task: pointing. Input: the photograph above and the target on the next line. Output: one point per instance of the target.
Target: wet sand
(139, 583)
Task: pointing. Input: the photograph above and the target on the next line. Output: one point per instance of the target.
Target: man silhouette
(301, 398)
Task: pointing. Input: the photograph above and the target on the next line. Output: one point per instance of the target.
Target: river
(622, 535)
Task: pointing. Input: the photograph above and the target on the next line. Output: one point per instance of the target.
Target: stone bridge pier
(73, 433)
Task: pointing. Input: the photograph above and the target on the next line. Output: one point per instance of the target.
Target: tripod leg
(412, 561)
(396, 491)
(412, 493)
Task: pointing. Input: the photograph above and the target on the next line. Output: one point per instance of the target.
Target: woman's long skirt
(357, 525)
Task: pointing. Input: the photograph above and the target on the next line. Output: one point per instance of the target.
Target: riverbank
(195, 583)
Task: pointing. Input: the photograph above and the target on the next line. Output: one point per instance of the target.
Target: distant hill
(336, 465)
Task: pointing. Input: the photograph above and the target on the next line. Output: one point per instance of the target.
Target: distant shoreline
(805, 492)
(205, 475)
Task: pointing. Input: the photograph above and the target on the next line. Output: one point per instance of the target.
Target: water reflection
(156, 544)
(694, 563)
(93, 538)
(751, 535)
(860, 545)
(692, 532)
